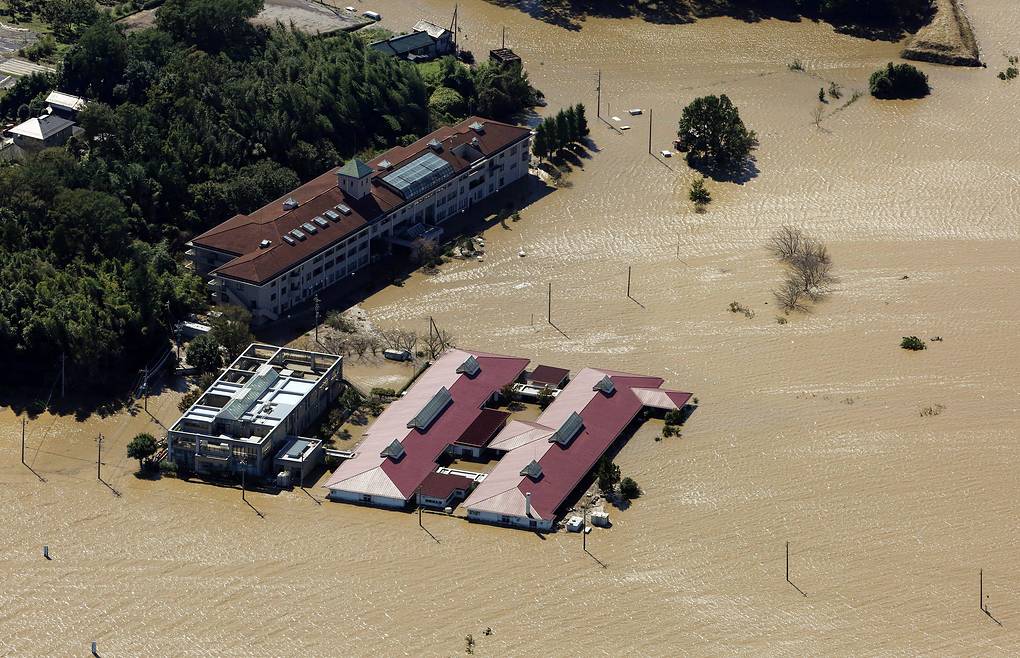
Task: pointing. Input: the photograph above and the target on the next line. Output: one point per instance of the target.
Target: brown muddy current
(810, 432)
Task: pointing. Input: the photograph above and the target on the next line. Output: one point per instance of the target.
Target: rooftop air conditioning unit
(289, 240)
(265, 243)
(290, 204)
(344, 209)
(477, 127)
(385, 164)
(475, 142)
(435, 145)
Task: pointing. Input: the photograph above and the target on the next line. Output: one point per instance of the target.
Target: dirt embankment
(947, 39)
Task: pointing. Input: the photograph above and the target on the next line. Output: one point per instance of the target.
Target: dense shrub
(912, 343)
(899, 81)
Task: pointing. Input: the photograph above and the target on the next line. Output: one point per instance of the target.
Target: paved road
(16, 66)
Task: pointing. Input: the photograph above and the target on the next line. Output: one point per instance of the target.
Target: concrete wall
(341, 496)
(509, 520)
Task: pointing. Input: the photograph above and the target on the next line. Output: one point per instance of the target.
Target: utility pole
(787, 561)
(550, 303)
(99, 459)
(24, 423)
(504, 37)
(418, 495)
(598, 97)
(981, 589)
(244, 469)
(145, 389)
(62, 378)
(628, 280)
(316, 317)
(649, 131)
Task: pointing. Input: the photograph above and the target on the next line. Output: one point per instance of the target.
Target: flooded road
(893, 475)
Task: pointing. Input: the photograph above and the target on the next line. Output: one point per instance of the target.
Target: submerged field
(893, 475)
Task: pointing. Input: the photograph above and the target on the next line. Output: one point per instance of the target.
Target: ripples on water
(808, 432)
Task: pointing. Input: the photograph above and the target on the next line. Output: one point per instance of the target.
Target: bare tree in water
(400, 339)
(809, 269)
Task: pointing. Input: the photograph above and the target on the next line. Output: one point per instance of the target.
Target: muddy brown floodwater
(810, 432)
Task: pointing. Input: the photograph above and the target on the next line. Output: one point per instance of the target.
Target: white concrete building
(333, 226)
(267, 396)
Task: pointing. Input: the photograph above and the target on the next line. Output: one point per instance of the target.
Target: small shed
(504, 57)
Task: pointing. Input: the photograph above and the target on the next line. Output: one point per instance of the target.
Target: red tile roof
(241, 235)
(442, 485)
(485, 426)
(469, 394)
(549, 375)
(605, 417)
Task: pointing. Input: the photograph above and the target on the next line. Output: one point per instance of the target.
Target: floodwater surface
(893, 475)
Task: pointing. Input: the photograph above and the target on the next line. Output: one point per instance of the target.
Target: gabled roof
(393, 450)
(42, 128)
(596, 420)
(431, 410)
(355, 168)
(549, 375)
(470, 367)
(404, 43)
(62, 100)
(433, 30)
(533, 470)
(241, 235)
(424, 447)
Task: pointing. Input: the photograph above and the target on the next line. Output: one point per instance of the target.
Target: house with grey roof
(425, 41)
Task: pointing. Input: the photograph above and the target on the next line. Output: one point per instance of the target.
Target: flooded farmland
(893, 475)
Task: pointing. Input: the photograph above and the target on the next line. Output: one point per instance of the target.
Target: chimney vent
(527, 504)
(290, 204)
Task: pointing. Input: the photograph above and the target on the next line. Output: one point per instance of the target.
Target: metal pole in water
(787, 561)
(94, 650)
(649, 130)
(628, 280)
(981, 588)
(550, 302)
(99, 459)
(46, 552)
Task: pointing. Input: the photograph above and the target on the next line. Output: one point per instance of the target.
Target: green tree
(96, 63)
(204, 353)
(142, 447)
(608, 474)
(912, 343)
(447, 105)
(629, 488)
(899, 81)
(211, 25)
(699, 194)
(232, 329)
(714, 136)
(68, 16)
(582, 120)
(552, 135)
(87, 224)
(540, 145)
(563, 137)
(573, 128)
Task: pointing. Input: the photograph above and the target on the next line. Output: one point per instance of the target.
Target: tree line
(568, 127)
(189, 122)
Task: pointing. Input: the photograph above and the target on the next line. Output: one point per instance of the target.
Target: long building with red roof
(544, 461)
(540, 463)
(334, 225)
(401, 449)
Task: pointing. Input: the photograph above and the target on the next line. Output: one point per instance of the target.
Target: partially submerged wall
(947, 39)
